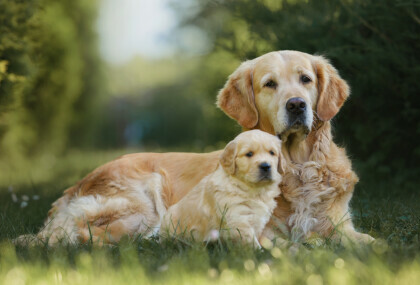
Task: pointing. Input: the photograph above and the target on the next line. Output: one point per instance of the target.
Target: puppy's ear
(227, 160)
(281, 168)
(236, 98)
(332, 89)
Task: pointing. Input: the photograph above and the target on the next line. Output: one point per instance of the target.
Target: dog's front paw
(365, 238)
(355, 239)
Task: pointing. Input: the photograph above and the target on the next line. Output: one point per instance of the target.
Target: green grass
(389, 213)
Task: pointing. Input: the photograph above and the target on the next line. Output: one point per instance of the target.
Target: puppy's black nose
(296, 105)
(265, 167)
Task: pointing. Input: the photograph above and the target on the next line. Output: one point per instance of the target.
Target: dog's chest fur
(316, 186)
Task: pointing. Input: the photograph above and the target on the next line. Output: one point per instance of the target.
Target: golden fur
(316, 187)
(233, 200)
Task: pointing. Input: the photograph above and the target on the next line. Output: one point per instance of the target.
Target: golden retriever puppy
(290, 94)
(238, 198)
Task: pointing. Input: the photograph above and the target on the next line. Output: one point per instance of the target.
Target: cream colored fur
(233, 202)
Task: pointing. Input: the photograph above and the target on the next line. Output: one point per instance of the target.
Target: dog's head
(254, 157)
(283, 92)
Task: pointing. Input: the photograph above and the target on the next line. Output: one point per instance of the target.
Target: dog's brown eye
(271, 152)
(305, 79)
(249, 154)
(271, 84)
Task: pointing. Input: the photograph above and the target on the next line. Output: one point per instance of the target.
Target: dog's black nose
(296, 105)
(265, 167)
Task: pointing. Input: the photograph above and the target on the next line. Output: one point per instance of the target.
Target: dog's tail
(42, 237)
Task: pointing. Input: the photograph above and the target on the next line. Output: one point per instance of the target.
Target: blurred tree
(49, 74)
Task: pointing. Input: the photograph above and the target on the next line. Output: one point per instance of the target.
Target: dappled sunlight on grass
(147, 261)
(394, 258)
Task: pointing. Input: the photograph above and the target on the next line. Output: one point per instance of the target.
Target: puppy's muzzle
(265, 171)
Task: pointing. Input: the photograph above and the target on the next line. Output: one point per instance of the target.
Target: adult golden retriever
(287, 93)
(238, 198)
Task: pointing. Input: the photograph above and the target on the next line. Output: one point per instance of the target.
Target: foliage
(150, 105)
(163, 103)
(48, 74)
(148, 262)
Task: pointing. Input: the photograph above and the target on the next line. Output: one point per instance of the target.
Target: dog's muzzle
(265, 171)
(297, 119)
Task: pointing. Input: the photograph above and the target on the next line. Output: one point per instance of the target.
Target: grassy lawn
(388, 213)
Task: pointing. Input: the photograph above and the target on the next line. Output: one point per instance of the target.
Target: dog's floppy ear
(332, 89)
(236, 98)
(227, 160)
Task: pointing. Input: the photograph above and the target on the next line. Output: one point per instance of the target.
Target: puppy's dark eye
(271, 152)
(305, 79)
(249, 154)
(271, 84)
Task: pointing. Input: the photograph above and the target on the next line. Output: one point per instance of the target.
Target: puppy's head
(254, 157)
(282, 92)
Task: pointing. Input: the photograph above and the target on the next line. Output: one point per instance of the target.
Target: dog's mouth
(297, 124)
(265, 178)
(296, 129)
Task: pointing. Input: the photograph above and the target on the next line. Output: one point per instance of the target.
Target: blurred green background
(60, 94)
(84, 81)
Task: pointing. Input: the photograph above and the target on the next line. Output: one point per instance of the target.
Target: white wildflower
(14, 198)
(214, 235)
